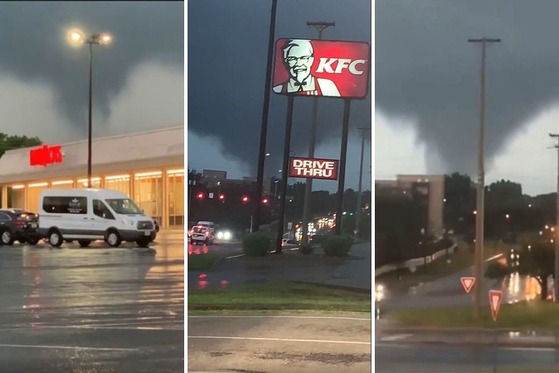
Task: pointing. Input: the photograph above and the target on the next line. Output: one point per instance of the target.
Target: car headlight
(227, 235)
(219, 235)
(379, 294)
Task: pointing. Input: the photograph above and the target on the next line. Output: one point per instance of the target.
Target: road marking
(277, 339)
(234, 256)
(99, 327)
(70, 347)
(277, 317)
(395, 337)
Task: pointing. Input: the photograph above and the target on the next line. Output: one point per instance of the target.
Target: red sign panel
(321, 68)
(467, 283)
(313, 168)
(45, 155)
(495, 297)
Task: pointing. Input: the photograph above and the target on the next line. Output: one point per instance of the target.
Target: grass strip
(532, 315)
(283, 296)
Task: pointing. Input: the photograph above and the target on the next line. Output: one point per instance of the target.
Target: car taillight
(20, 222)
(207, 233)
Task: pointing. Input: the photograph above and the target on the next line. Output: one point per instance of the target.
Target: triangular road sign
(495, 297)
(467, 283)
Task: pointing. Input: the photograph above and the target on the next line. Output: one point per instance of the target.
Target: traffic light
(222, 197)
(245, 199)
(265, 201)
(200, 195)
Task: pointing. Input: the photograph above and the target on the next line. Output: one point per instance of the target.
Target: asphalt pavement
(94, 309)
(286, 343)
(416, 358)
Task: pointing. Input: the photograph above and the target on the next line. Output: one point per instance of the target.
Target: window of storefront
(118, 182)
(16, 196)
(34, 194)
(175, 197)
(95, 182)
(148, 193)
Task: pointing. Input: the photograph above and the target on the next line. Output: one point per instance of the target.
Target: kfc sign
(314, 168)
(321, 68)
(45, 155)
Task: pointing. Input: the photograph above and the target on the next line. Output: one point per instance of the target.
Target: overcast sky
(227, 49)
(427, 85)
(138, 79)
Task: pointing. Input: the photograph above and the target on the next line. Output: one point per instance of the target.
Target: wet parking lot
(95, 309)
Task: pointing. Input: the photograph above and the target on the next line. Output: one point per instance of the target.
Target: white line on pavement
(277, 339)
(396, 337)
(234, 256)
(70, 347)
(277, 317)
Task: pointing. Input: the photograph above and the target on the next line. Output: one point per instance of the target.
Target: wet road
(92, 310)
(403, 358)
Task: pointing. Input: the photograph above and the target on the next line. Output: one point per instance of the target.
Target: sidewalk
(353, 271)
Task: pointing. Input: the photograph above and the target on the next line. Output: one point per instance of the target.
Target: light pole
(478, 261)
(77, 37)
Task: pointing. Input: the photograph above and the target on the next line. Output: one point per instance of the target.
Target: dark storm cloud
(425, 68)
(227, 49)
(33, 45)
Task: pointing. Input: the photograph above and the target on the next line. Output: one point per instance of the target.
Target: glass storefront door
(33, 195)
(148, 193)
(16, 197)
(175, 197)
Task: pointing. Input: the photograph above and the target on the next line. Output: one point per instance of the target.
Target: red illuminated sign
(321, 68)
(313, 168)
(45, 155)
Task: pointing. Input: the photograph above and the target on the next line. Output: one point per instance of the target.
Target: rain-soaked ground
(92, 310)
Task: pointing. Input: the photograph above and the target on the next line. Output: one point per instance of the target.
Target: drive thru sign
(467, 283)
(495, 297)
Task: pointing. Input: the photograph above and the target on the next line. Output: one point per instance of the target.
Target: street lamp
(77, 37)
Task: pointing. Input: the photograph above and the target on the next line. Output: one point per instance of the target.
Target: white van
(92, 214)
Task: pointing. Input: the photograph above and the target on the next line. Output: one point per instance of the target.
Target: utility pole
(556, 274)
(320, 26)
(478, 260)
(358, 211)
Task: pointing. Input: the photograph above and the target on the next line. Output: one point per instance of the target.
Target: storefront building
(147, 166)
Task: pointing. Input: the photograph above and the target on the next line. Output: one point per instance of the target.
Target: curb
(333, 286)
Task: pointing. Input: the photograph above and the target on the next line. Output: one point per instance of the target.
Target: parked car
(156, 230)
(20, 225)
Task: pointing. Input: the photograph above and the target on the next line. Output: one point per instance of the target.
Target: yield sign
(467, 283)
(495, 297)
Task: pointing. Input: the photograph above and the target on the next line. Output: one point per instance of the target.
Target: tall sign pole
(478, 260)
(265, 109)
(341, 177)
(556, 274)
(284, 172)
(358, 211)
(320, 26)
(319, 68)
